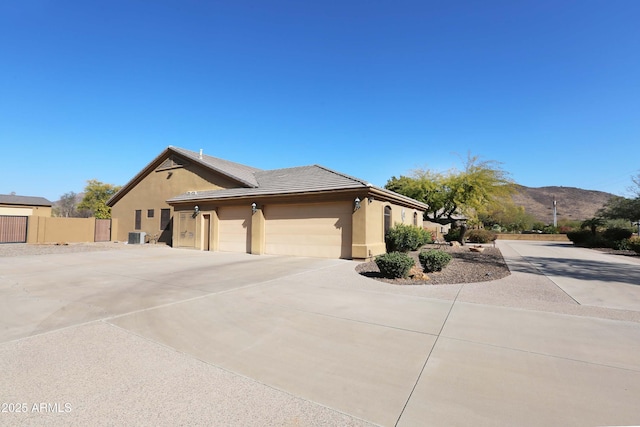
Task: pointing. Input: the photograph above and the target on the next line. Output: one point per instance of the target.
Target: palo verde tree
(466, 191)
(506, 216)
(622, 207)
(96, 194)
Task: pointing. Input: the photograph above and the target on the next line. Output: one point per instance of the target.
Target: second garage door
(235, 228)
(316, 230)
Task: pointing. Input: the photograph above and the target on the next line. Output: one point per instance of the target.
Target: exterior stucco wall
(12, 210)
(535, 237)
(438, 230)
(67, 230)
(184, 221)
(369, 225)
(211, 228)
(152, 192)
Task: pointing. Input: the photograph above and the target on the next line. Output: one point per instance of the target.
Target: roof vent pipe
(201, 154)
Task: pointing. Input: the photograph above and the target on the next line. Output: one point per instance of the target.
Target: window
(150, 213)
(165, 218)
(138, 224)
(387, 219)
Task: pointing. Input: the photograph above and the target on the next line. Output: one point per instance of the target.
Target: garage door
(317, 230)
(234, 229)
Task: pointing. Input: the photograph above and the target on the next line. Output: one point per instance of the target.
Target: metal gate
(13, 229)
(103, 230)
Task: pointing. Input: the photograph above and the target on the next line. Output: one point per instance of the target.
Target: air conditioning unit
(137, 238)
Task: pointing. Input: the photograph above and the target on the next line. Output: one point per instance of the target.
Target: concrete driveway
(160, 336)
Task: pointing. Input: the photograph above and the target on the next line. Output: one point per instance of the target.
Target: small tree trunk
(463, 232)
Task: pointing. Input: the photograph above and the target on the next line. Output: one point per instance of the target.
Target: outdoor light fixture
(370, 199)
(196, 211)
(357, 204)
(254, 207)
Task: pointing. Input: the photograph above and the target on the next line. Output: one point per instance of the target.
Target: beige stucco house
(193, 200)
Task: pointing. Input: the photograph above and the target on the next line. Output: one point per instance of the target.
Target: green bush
(481, 236)
(453, 235)
(580, 238)
(405, 238)
(622, 245)
(634, 244)
(434, 260)
(617, 234)
(394, 264)
(586, 239)
(550, 229)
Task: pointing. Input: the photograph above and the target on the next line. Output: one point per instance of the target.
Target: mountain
(572, 203)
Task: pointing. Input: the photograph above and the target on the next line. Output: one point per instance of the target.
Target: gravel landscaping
(24, 249)
(465, 267)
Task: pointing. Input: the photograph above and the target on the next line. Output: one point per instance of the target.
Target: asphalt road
(160, 336)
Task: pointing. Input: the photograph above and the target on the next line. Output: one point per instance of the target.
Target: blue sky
(97, 89)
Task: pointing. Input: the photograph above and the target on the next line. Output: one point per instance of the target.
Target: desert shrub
(580, 238)
(394, 265)
(481, 236)
(453, 235)
(598, 241)
(634, 244)
(622, 245)
(618, 223)
(586, 239)
(434, 260)
(616, 234)
(550, 229)
(405, 238)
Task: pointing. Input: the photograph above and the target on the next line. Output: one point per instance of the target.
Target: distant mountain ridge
(572, 203)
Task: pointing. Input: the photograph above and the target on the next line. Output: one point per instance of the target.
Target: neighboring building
(192, 200)
(439, 229)
(14, 215)
(12, 205)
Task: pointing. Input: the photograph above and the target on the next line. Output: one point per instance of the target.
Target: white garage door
(317, 230)
(235, 229)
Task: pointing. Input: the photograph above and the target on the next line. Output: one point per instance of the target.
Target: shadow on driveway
(583, 269)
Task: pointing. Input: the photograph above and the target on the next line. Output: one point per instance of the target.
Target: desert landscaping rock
(465, 267)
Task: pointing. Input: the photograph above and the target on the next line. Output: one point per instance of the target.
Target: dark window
(165, 218)
(387, 219)
(138, 225)
(150, 213)
(415, 219)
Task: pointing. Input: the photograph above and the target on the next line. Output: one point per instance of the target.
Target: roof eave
(399, 198)
(176, 201)
(382, 193)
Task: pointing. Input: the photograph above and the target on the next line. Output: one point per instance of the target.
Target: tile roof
(303, 179)
(237, 171)
(258, 182)
(12, 199)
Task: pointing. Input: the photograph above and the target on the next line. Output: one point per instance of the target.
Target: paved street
(161, 336)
